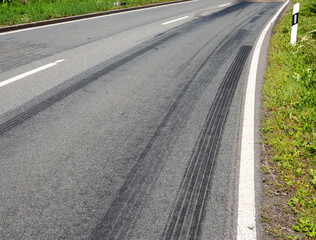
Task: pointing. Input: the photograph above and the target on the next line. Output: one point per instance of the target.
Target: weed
(265, 169)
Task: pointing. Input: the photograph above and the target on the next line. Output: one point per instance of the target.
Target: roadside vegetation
(288, 129)
(25, 11)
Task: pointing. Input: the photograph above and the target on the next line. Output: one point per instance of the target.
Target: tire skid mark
(26, 111)
(21, 117)
(21, 53)
(185, 220)
(126, 207)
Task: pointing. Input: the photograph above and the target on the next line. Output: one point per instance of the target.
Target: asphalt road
(134, 131)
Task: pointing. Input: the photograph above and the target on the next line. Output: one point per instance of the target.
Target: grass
(288, 125)
(24, 11)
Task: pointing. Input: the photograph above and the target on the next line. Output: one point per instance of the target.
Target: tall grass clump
(288, 125)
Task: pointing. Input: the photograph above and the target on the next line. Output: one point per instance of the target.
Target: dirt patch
(288, 7)
(276, 216)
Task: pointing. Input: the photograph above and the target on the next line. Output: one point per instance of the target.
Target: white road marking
(175, 20)
(224, 5)
(92, 18)
(11, 80)
(246, 222)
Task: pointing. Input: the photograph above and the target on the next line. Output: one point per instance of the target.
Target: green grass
(24, 11)
(288, 125)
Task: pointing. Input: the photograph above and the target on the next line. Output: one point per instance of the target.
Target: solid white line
(11, 80)
(246, 222)
(175, 20)
(224, 5)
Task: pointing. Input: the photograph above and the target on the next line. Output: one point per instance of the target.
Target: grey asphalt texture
(143, 143)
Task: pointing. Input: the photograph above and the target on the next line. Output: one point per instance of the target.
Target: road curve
(131, 130)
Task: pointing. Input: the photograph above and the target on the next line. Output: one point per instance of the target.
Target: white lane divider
(175, 20)
(246, 221)
(11, 80)
(224, 5)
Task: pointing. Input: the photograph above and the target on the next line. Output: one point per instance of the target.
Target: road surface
(126, 126)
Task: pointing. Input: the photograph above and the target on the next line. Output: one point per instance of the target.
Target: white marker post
(294, 23)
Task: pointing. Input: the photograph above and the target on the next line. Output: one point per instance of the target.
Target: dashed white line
(175, 20)
(224, 5)
(23, 75)
(246, 222)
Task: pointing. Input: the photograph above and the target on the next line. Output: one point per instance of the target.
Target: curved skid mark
(187, 213)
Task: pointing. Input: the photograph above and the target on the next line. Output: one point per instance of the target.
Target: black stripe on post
(295, 19)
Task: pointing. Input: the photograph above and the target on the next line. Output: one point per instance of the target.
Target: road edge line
(246, 218)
